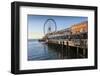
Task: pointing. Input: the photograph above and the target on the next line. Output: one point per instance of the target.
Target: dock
(75, 36)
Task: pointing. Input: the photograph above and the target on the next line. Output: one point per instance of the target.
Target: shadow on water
(42, 51)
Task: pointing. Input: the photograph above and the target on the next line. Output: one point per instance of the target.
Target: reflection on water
(41, 51)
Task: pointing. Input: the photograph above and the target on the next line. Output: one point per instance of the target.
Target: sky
(36, 23)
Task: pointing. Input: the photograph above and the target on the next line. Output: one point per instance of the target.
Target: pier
(72, 37)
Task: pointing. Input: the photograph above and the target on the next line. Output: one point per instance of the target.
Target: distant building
(79, 28)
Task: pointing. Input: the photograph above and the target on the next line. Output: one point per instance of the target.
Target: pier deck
(73, 43)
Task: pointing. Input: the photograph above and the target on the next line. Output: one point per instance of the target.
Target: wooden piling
(84, 52)
(77, 51)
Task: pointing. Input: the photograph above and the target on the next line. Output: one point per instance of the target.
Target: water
(42, 51)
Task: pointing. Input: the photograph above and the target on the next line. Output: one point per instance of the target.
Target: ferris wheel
(49, 26)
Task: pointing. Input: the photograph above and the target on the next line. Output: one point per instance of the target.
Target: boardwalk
(75, 43)
(74, 36)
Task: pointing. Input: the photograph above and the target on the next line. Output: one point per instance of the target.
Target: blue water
(42, 51)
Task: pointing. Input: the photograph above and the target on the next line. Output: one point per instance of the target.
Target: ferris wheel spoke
(50, 26)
